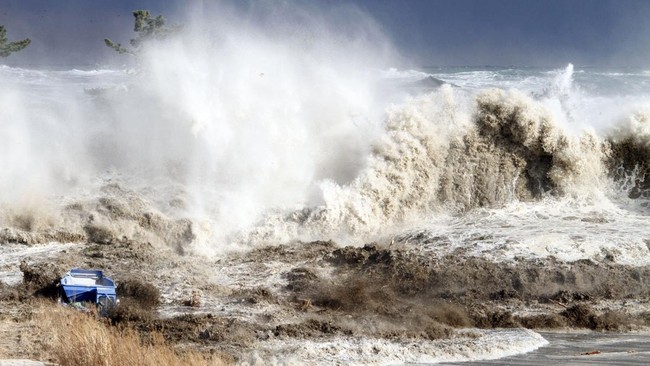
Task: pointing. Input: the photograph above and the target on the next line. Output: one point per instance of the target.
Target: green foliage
(117, 46)
(147, 27)
(6, 47)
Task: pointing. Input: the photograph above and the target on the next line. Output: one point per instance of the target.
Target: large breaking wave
(259, 136)
(444, 153)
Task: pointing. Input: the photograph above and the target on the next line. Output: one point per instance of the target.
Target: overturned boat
(80, 287)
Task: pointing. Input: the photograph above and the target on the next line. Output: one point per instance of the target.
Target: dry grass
(77, 339)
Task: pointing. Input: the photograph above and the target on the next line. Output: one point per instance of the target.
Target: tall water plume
(264, 128)
(450, 151)
(243, 117)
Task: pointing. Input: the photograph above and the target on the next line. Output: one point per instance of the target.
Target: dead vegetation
(138, 300)
(78, 339)
(143, 293)
(358, 292)
(453, 292)
(464, 279)
(583, 316)
(39, 280)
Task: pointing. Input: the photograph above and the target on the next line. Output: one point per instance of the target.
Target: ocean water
(596, 201)
(581, 349)
(518, 150)
(502, 163)
(236, 136)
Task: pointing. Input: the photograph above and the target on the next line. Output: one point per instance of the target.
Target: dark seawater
(581, 349)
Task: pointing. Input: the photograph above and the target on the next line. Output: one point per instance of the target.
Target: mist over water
(241, 117)
(267, 131)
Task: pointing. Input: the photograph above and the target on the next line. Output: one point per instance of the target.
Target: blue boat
(84, 286)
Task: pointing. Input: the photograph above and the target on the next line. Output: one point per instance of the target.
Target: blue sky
(611, 33)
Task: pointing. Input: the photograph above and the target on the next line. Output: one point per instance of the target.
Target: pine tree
(6, 47)
(147, 27)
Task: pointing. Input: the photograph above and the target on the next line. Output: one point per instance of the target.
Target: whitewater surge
(484, 345)
(225, 139)
(234, 174)
(451, 151)
(219, 124)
